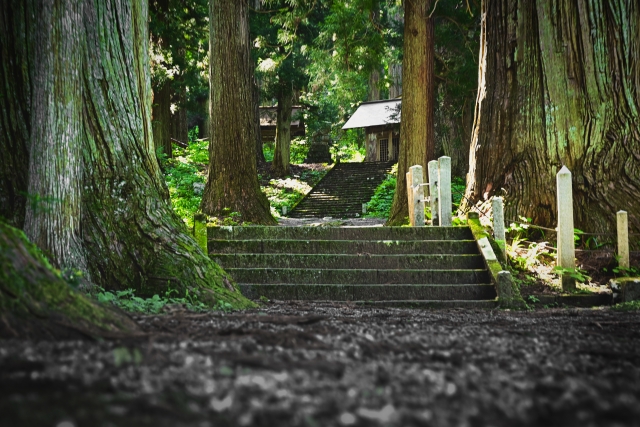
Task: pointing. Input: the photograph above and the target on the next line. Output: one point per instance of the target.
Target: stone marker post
(415, 192)
(364, 208)
(410, 199)
(285, 209)
(566, 242)
(623, 239)
(444, 186)
(433, 192)
(498, 224)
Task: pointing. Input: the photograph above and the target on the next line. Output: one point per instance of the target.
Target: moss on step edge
(508, 292)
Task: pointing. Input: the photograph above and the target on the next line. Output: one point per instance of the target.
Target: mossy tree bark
(99, 203)
(558, 85)
(282, 153)
(232, 184)
(36, 303)
(416, 126)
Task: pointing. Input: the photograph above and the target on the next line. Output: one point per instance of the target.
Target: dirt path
(335, 365)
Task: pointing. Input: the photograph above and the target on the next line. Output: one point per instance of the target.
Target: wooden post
(623, 239)
(433, 192)
(415, 195)
(566, 242)
(444, 186)
(498, 224)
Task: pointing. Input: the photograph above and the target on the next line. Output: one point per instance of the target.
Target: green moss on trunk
(36, 303)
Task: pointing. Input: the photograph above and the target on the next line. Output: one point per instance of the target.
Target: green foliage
(179, 35)
(127, 300)
(289, 191)
(380, 204)
(298, 151)
(349, 148)
(532, 299)
(458, 185)
(624, 271)
(184, 170)
(578, 274)
(627, 306)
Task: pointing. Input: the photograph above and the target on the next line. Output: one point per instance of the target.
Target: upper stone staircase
(399, 266)
(343, 190)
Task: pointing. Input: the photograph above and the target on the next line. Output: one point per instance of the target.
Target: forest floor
(319, 364)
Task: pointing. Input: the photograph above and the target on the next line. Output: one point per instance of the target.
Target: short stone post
(433, 192)
(410, 199)
(566, 242)
(623, 239)
(415, 196)
(285, 209)
(498, 224)
(444, 186)
(200, 231)
(364, 208)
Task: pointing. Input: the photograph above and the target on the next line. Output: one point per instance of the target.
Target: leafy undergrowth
(532, 256)
(290, 190)
(627, 306)
(185, 175)
(380, 203)
(128, 301)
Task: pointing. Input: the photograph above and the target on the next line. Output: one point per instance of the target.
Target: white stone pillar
(410, 199)
(444, 185)
(416, 208)
(434, 193)
(623, 239)
(498, 224)
(566, 242)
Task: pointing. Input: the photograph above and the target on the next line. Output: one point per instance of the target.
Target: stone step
(340, 233)
(341, 261)
(343, 190)
(357, 276)
(432, 304)
(368, 292)
(393, 247)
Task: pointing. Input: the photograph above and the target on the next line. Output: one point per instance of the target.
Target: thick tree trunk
(179, 124)
(395, 74)
(260, 159)
(15, 111)
(282, 154)
(233, 177)
(101, 204)
(558, 85)
(416, 126)
(374, 86)
(36, 303)
(161, 118)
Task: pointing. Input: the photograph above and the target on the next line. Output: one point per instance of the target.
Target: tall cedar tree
(416, 125)
(558, 85)
(79, 173)
(232, 185)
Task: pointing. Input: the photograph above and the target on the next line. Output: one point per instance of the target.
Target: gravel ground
(293, 364)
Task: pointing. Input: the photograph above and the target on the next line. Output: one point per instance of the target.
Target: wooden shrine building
(381, 121)
(268, 119)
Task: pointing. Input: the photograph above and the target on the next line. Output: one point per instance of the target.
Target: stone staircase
(341, 193)
(390, 266)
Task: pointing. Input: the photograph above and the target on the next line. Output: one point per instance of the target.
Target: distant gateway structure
(381, 121)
